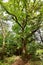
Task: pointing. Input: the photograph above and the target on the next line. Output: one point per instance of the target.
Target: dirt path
(19, 61)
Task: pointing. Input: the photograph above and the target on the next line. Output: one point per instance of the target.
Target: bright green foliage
(27, 18)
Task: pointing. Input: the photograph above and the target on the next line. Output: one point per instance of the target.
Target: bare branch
(40, 35)
(17, 21)
(29, 35)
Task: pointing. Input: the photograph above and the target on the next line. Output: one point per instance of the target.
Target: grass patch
(7, 61)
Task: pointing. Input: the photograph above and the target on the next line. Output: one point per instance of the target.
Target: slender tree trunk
(24, 46)
(23, 40)
(3, 38)
(3, 33)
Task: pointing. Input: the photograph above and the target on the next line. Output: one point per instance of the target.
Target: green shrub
(39, 53)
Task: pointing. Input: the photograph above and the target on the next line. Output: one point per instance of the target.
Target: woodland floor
(16, 60)
(19, 61)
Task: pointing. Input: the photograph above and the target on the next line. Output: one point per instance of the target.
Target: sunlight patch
(37, 13)
(32, 1)
(5, 1)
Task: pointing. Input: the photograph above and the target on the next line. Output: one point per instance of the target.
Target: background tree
(3, 31)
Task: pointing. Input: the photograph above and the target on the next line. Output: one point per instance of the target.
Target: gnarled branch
(11, 14)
